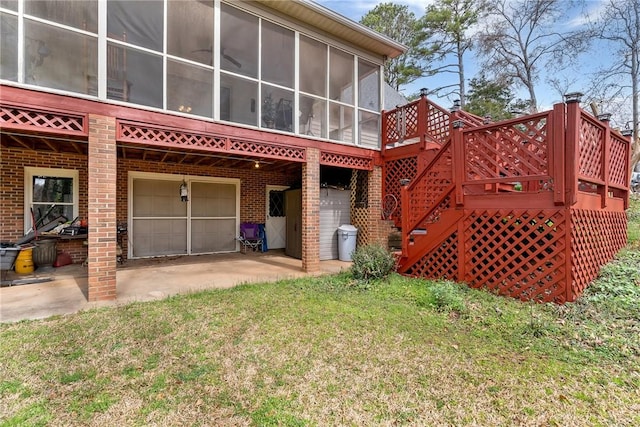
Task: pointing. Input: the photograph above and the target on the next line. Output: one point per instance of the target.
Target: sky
(547, 96)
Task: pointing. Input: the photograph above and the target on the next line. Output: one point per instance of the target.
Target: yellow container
(24, 261)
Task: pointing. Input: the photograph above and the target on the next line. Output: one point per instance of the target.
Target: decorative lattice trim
(170, 137)
(23, 118)
(345, 160)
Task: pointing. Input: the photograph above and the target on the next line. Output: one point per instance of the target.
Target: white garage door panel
(153, 237)
(157, 199)
(212, 235)
(213, 200)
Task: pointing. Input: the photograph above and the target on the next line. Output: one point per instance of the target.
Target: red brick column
(377, 233)
(102, 208)
(311, 211)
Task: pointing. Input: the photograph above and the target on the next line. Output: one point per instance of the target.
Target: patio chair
(250, 236)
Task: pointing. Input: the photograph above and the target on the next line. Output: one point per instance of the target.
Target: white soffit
(337, 25)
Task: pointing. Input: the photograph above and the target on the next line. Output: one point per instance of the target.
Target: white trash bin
(347, 234)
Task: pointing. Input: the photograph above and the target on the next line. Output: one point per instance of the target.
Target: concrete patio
(148, 279)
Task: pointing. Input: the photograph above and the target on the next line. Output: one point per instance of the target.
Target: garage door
(162, 224)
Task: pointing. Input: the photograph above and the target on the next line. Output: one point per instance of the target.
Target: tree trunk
(461, 77)
(635, 141)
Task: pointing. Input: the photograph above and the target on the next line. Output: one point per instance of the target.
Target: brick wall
(252, 183)
(311, 211)
(252, 188)
(12, 184)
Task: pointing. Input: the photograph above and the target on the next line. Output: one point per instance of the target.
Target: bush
(372, 262)
(447, 296)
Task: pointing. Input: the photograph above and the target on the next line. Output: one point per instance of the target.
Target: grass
(324, 351)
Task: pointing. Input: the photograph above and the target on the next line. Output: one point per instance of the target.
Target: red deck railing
(530, 207)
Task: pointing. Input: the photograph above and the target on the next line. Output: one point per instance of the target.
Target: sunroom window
(216, 59)
(277, 54)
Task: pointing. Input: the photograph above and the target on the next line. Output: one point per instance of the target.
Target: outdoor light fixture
(604, 117)
(405, 181)
(257, 165)
(423, 92)
(184, 191)
(458, 124)
(572, 97)
(456, 105)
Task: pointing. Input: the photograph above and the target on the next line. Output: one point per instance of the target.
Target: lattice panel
(346, 161)
(359, 207)
(359, 186)
(394, 171)
(430, 188)
(439, 263)
(618, 154)
(392, 130)
(518, 253)
(23, 118)
(267, 150)
(511, 151)
(402, 123)
(596, 237)
(437, 122)
(591, 145)
(411, 120)
(133, 133)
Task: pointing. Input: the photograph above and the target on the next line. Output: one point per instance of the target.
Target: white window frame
(30, 172)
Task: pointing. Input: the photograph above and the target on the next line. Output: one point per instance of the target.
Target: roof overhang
(333, 23)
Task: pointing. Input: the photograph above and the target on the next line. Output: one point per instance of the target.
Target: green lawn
(328, 351)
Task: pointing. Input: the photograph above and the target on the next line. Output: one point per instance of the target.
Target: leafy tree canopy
(400, 24)
(493, 98)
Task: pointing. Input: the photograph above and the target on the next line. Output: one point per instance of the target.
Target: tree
(490, 98)
(400, 24)
(523, 37)
(449, 22)
(618, 28)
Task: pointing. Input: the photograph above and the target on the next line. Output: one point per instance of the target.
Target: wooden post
(384, 138)
(462, 259)
(572, 156)
(458, 155)
(606, 160)
(556, 149)
(404, 200)
(423, 118)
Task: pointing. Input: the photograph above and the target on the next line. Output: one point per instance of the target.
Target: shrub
(447, 296)
(372, 262)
